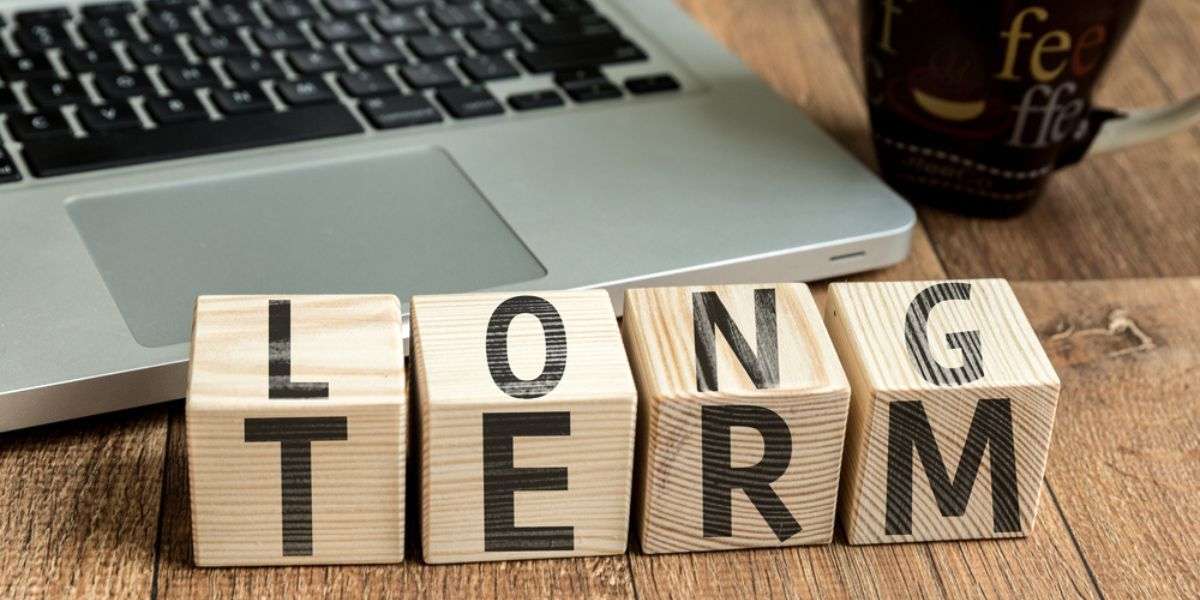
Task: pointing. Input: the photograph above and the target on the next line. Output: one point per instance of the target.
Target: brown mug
(974, 104)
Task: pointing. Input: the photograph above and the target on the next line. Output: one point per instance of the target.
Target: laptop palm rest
(405, 223)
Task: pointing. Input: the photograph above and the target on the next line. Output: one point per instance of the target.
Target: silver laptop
(154, 150)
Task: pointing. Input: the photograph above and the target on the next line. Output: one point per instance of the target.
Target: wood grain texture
(601, 577)
(281, 478)
(587, 402)
(1116, 215)
(797, 377)
(899, 357)
(79, 506)
(1125, 467)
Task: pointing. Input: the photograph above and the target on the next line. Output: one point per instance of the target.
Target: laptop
(154, 150)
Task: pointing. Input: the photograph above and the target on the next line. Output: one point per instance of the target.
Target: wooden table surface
(1105, 266)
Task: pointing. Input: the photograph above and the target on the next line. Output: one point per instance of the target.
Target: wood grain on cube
(296, 422)
(742, 413)
(527, 411)
(952, 410)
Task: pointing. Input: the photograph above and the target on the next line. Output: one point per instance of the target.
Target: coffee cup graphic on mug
(974, 104)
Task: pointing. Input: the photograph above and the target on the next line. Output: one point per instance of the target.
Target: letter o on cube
(527, 409)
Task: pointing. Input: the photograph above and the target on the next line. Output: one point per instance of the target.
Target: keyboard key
(585, 55)
(375, 54)
(456, 17)
(361, 84)
(483, 67)
(42, 35)
(189, 77)
(289, 11)
(52, 93)
(108, 117)
(311, 62)
(512, 10)
(156, 52)
(17, 68)
(586, 84)
(348, 8)
(535, 100)
(252, 69)
(601, 90)
(224, 17)
(176, 109)
(282, 37)
(568, 8)
(428, 75)
(43, 15)
(106, 9)
(492, 40)
(469, 102)
(305, 91)
(340, 30)
(399, 111)
(651, 84)
(52, 157)
(8, 102)
(579, 77)
(166, 23)
(103, 31)
(564, 33)
(242, 100)
(118, 86)
(437, 45)
(157, 5)
(8, 169)
(92, 59)
(407, 5)
(219, 44)
(399, 24)
(35, 126)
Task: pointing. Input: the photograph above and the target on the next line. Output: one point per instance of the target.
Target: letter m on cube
(951, 413)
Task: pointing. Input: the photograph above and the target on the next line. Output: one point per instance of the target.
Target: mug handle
(1115, 129)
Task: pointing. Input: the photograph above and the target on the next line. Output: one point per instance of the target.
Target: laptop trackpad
(406, 223)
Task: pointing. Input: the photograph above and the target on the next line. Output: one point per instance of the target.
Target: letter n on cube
(742, 416)
(951, 414)
(296, 427)
(527, 410)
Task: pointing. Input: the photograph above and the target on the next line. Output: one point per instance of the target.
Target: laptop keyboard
(120, 83)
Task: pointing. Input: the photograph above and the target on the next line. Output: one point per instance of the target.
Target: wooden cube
(527, 411)
(742, 415)
(296, 427)
(951, 413)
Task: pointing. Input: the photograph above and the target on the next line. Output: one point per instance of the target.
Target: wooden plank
(1125, 467)
(601, 577)
(1116, 215)
(80, 506)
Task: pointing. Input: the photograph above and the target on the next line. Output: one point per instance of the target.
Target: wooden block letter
(296, 428)
(527, 411)
(953, 405)
(742, 416)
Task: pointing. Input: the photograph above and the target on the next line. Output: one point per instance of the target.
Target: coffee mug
(974, 104)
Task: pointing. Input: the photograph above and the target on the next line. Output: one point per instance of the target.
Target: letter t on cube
(951, 414)
(527, 411)
(743, 412)
(296, 429)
